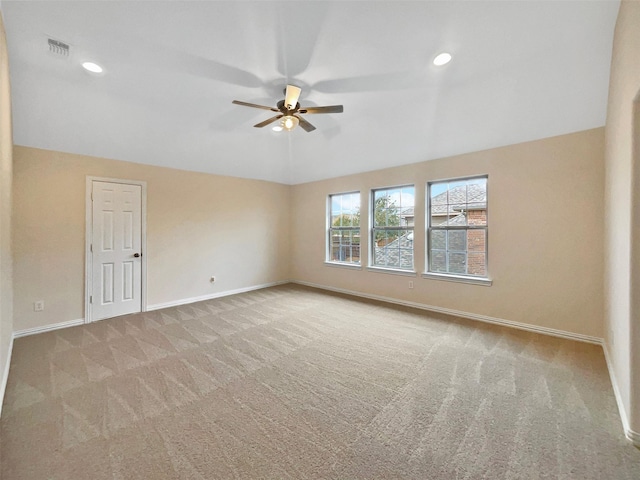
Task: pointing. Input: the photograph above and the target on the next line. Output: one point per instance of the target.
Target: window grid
(343, 241)
(392, 214)
(457, 227)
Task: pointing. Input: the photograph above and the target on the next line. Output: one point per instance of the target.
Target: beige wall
(622, 227)
(198, 225)
(545, 234)
(6, 148)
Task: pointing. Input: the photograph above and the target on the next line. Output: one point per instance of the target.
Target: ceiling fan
(289, 111)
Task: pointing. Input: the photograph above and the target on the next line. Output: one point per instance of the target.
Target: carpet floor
(292, 382)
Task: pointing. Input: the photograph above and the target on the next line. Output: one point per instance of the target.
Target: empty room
(319, 239)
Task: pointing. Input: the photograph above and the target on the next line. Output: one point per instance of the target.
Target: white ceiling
(521, 71)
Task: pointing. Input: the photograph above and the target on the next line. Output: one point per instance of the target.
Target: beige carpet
(290, 382)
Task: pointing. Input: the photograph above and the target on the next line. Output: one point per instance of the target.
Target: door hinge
(91, 247)
(91, 299)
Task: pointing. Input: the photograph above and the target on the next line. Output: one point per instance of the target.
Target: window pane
(457, 240)
(457, 194)
(393, 249)
(457, 263)
(345, 246)
(438, 261)
(352, 238)
(476, 241)
(438, 239)
(477, 191)
(386, 213)
(477, 213)
(439, 194)
(438, 218)
(477, 264)
(457, 219)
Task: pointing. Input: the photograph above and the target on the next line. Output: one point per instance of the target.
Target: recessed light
(442, 59)
(277, 128)
(92, 67)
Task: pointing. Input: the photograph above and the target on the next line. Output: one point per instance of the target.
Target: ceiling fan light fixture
(289, 122)
(292, 94)
(442, 59)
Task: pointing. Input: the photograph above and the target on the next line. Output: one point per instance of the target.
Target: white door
(116, 276)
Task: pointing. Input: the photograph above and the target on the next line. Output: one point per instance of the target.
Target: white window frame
(330, 229)
(373, 230)
(457, 277)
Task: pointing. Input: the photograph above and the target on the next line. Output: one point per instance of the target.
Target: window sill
(487, 282)
(352, 266)
(393, 271)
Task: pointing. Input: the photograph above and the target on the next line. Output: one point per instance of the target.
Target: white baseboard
(185, 301)
(157, 306)
(458, 313)
(634, 437)
(5, 374)
(47, 328)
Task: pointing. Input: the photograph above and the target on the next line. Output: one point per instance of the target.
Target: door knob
(137, 255)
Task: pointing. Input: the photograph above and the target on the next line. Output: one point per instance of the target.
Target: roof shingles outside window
(399, 252)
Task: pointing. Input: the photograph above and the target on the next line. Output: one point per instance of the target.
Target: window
(344, 228)
(457, 227)
(392, 212)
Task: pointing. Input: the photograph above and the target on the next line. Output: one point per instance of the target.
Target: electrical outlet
(38, 306)
(410, 283)
(213, 279)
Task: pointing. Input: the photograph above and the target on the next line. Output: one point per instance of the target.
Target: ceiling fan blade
(291, 96)
(246, 104)
(268, 121)
(329, 109)
(306, 126)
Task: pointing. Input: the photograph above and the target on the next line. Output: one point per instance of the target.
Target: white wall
(198, 225)
(6, 151)
(622, 223)
(545, 234)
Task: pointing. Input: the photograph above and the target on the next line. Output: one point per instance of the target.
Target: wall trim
(157, 306)
(632, 436)
(48, 328)
(472, 316)
(5, 374)
(185, 301)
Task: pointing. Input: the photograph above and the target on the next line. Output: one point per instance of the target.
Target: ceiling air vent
(58, 48)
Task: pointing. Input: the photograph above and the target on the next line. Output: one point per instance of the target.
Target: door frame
(88, 290)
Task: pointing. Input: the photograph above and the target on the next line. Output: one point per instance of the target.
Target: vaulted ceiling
(521, 71)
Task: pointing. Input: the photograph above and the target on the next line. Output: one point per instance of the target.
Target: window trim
(456, 277)
(372, 228)
(352, 266)
(329, 228)
(393, 271)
